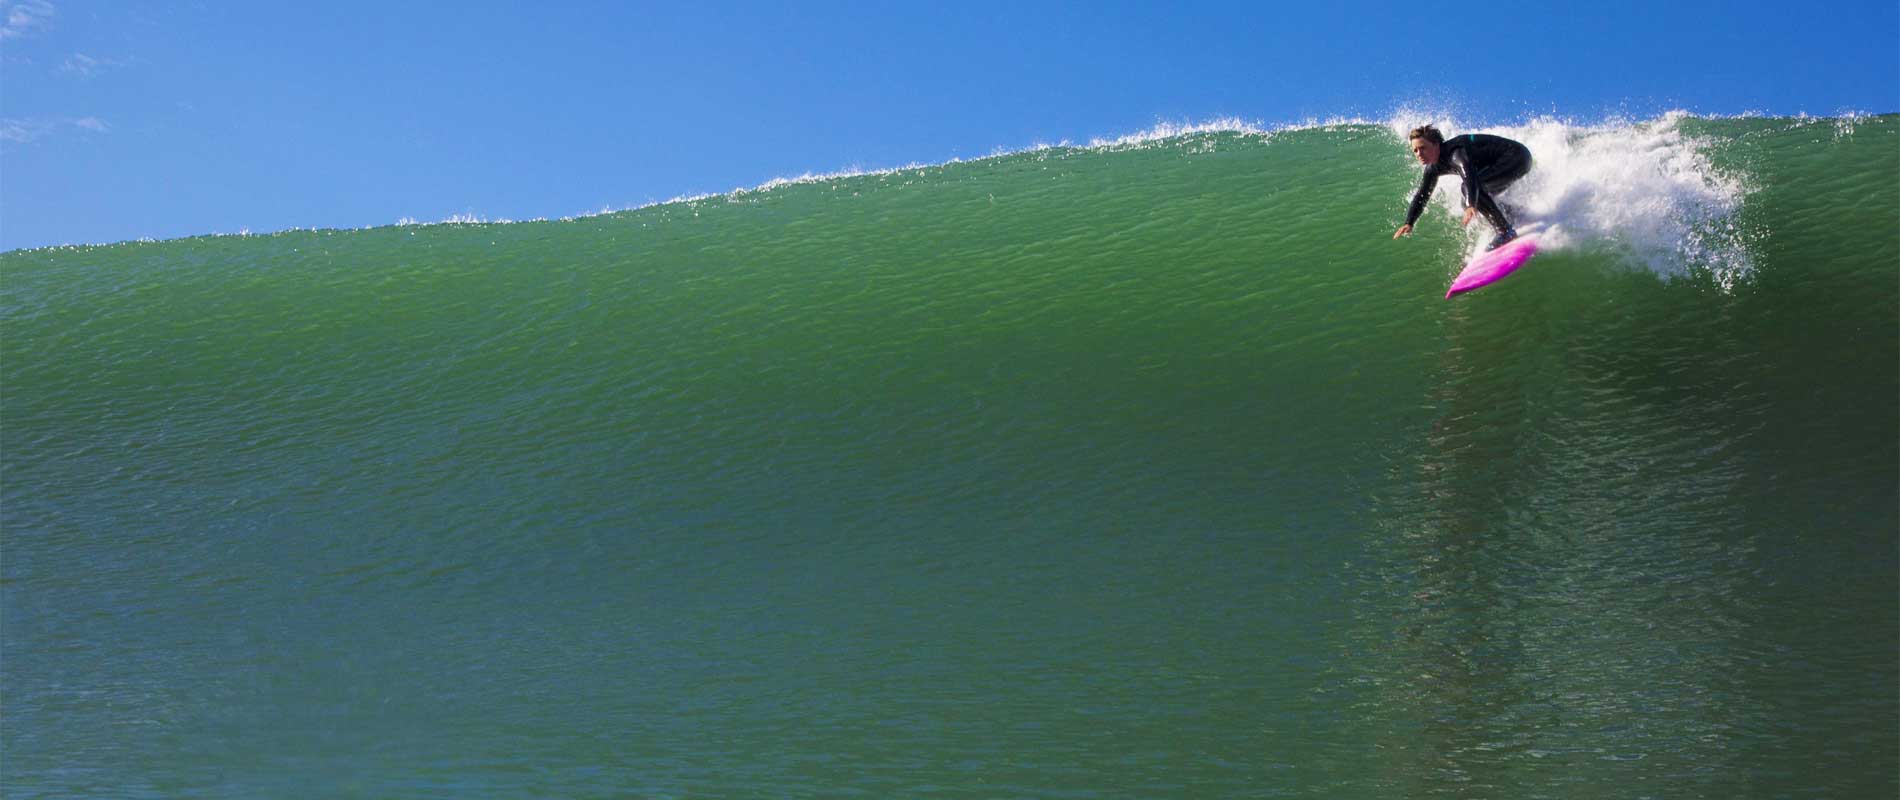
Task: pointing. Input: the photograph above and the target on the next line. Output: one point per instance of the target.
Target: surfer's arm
(1420, 197)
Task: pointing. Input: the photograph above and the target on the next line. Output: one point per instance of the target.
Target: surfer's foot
(1507, 235)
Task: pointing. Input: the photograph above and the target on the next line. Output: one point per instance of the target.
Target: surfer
(1485, 163)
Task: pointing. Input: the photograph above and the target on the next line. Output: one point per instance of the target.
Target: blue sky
(126, 120)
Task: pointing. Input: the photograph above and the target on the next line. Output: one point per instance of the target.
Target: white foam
(1163, 131)
(1642, 189)
(1160, 133)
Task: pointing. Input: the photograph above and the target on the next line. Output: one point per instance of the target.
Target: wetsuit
(1486, 164)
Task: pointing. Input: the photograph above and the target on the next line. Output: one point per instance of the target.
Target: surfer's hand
(1404, 230)
(1470, 211)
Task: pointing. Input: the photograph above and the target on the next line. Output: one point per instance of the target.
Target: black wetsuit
(1485, 163)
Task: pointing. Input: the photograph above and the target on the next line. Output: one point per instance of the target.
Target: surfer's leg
(1488, 207)
(1494, 179)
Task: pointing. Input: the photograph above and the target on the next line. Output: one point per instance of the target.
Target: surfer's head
(1425, 141)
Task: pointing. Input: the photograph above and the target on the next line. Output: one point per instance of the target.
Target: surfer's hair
(1428, 133)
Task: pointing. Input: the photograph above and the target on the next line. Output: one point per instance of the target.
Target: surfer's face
(1426, 151)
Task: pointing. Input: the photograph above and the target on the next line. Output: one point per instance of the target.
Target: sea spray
(1645, 191)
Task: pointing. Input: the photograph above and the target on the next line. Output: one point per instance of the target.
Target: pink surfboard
(1492, 266)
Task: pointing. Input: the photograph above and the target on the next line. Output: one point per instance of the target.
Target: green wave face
(1146, 468)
